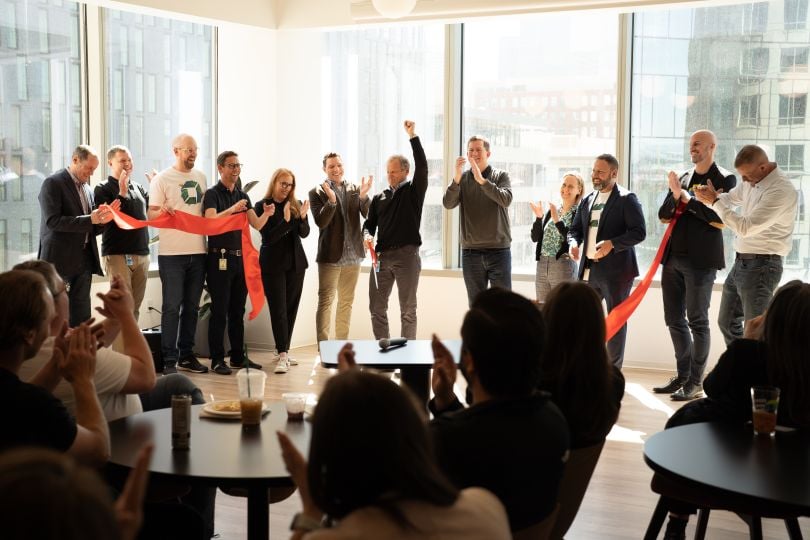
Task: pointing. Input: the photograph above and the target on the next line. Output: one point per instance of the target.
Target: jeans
(79, 293)
(228, 295)
(687, 292)
(160, 397)
(283, 291)
(181, 280)
(486, 267)
(331, 280)
(551, 272)
(747, 292)
(613, 293)
(403, 266)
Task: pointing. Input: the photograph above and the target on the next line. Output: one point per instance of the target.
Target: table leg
(258, 513)
(418, 380)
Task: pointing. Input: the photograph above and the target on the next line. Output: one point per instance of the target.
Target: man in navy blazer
(608, 224)
(69, 226)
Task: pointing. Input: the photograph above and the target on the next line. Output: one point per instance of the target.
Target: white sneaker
(292, 361)
(283, 366)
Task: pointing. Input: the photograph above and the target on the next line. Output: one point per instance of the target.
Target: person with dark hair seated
(513, 440)
(372, 472)
(772, 353)
(576, 370)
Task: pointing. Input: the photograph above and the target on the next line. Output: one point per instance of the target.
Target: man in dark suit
(608, 224)
(69, 226)
(690, 263)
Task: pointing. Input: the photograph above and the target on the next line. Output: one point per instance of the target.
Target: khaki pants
(134, 276)
(331, 279)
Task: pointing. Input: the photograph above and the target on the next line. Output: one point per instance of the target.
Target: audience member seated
(125, 382)
(372, 473)
(513, 440)
(576, 371)
(48, 496)
(773, 353)
(584, 384)
(31, 415)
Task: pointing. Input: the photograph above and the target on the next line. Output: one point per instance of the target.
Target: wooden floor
(618, 503)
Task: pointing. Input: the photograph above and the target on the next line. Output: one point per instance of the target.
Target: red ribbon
(209, 227)
(618, 317)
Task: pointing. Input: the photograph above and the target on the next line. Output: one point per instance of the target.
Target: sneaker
(676, 529)
(190, 363)
(688, 392)
(674, 384)
(220, 368)
(251, 363)
(283, 366)
(292, 361)
(169, 368)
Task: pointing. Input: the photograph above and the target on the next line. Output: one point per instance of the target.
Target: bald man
(692, 258)
(181, 256)
(761, 211)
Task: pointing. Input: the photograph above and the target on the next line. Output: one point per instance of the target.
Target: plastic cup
(765, 401)
(251, 395)
(295, 402)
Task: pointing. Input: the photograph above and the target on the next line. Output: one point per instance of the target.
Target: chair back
(576, 476)
(538, 531)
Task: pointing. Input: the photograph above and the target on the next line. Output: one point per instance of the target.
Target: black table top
(221, 452)
(417, 353)
(732, 459)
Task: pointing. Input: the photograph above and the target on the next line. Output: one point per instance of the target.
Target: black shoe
(221, 368)
(251, 363)
(190, 363)
(674, 384)
(688, 392)
(169, 368)
(676, 529)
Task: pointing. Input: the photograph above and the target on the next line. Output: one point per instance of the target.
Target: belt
(750, 256)
(220, 251)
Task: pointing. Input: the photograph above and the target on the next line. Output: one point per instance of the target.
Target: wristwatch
(303, 522)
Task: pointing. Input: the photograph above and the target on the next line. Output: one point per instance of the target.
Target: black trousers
(283, 291)
(228, 296)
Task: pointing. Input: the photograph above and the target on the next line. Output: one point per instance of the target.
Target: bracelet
(303, 522)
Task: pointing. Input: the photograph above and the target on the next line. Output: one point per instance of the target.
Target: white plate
(210, 408)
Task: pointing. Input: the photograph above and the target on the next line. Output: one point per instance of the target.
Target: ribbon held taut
(618, 317)
(185, 222)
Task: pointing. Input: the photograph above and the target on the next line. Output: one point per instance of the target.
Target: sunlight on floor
(648, 399)
(622, 434)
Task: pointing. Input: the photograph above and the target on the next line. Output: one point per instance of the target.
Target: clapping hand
(80, 362)
(444, 374)
(297, 467)
(365, 185)
(304, 210)
(346, 357)
(538, 209)
(129, 505)
(330, 193)
(460, 161)
(555, 215)
(476, 171)
(674, 185)
(707, 194)
(123, 184)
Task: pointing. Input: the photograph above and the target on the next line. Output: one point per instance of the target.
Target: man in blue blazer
(69, 226)
(608, 224)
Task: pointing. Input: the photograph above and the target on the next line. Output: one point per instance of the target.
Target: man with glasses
(761, 211)
(125, 252)
(608, 224)
(224, 270)
(483, 194)
(69, 225)
(181, 256)
(397, 212)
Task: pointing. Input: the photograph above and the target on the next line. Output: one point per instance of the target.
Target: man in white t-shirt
(181, 256)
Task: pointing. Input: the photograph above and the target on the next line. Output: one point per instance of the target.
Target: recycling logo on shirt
(191, 193)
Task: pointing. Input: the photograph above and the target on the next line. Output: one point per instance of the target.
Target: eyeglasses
(188, 150)
(234, 165)
(287, 185)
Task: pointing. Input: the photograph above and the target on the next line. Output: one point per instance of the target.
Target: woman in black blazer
(282, 258)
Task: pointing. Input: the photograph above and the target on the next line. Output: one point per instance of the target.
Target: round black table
(727, 463)
(222, 453)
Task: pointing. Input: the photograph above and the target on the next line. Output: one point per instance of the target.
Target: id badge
(129, 261)
(223, 262)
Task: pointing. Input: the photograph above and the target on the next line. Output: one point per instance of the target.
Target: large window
(699, 86)
(543, 90)
(375, 80)
(40, 112)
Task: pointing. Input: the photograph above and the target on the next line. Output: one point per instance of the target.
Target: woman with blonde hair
(550, 231)
(282, 259)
